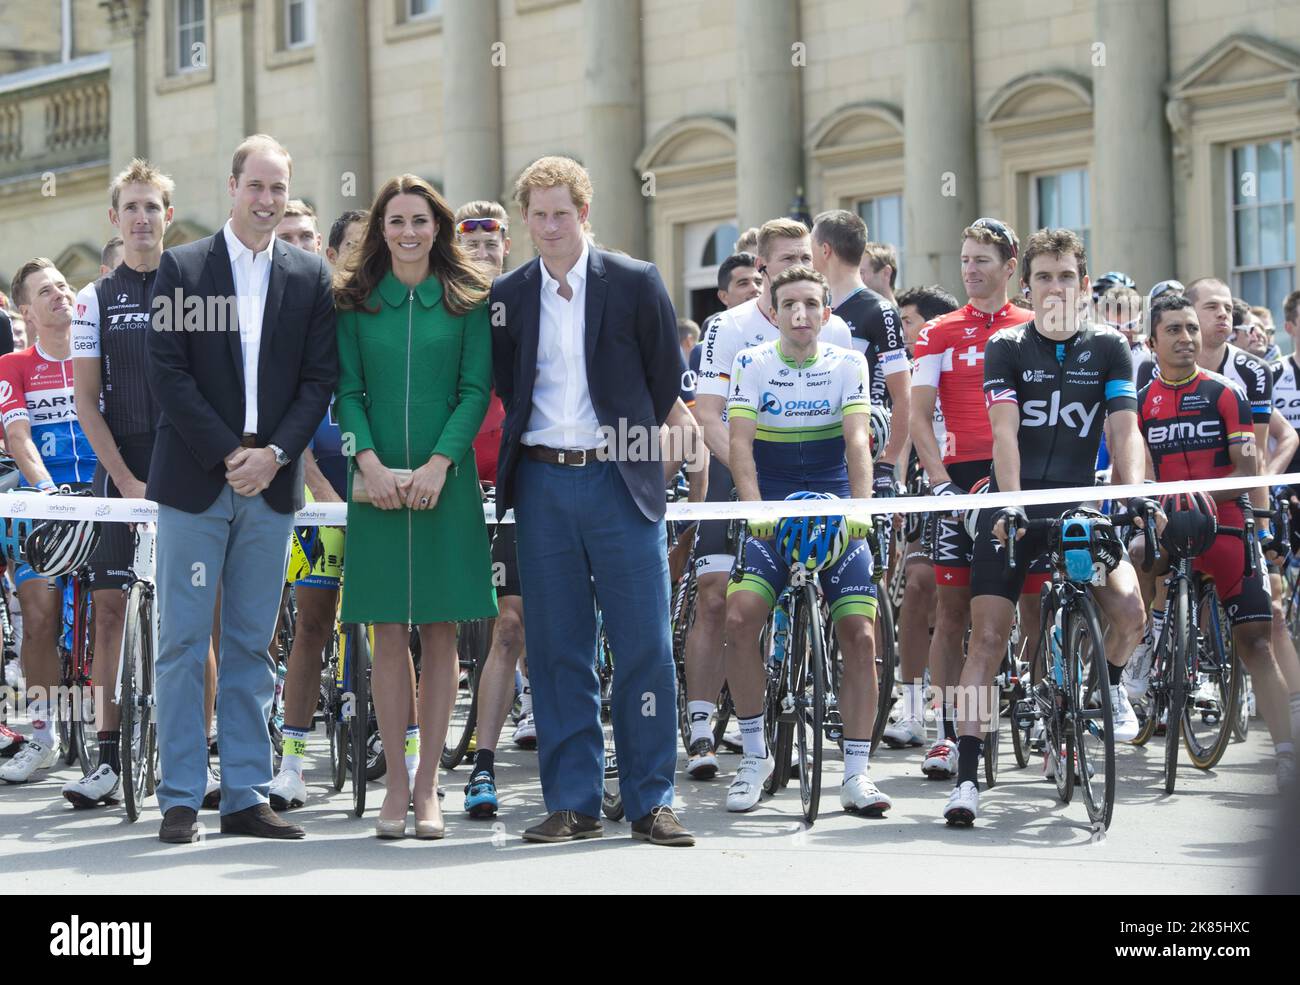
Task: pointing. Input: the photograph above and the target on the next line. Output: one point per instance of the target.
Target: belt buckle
(582, 452)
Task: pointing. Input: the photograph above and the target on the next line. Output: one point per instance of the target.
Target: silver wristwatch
(280, 457)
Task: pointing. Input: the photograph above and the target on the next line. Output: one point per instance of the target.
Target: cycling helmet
(879, 431)
(305, 548)
(812, 541)
(1112, 278)
(59, 547)
(972, 518)
(1104, 544)
(1193, 523)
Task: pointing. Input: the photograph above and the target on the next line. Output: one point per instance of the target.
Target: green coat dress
(413, 381)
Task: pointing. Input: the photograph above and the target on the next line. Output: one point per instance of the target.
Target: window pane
(1289, 234)
(1245, 165)
(1252, 286)
(891, 220)
(1288, 178)
(1247, 237)
(1048, 202)
(718, 246)
(1271, 248)
(297, 27)
(1280, 281)
(1270, 171)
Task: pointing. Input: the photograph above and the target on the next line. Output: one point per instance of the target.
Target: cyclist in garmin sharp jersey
(1050, 385)
(115, 405)
(41, 431)
(799, 412)
(1197, 424)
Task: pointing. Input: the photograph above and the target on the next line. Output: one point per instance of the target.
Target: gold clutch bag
(360, 494)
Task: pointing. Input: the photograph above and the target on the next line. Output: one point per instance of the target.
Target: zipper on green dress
(410, 572)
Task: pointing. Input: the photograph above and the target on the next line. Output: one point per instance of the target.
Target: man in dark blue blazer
(243, 360)
(586, 362)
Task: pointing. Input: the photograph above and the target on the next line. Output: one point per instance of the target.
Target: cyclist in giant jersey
(110, 356)
(1050, 385)
(799, 412)
(47, 443)
(1197, 425)
(950, 370)
(782, 243)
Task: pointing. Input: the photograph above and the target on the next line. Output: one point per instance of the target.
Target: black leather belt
(248, 441)
(575, 457)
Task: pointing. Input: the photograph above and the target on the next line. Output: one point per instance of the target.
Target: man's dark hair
(797, 273)
(340, 227)
(844, 232)
(929, 302)
(1240, 312)
(730, 264)
(1167, 302)
(883, 255)
(1291, 307)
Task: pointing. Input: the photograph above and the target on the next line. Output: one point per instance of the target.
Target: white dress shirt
(563, 416)
(252, 276)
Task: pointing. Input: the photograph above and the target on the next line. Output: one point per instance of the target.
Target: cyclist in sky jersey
(116, 408)
(41, 431)
(1049, 384)
(799, 413)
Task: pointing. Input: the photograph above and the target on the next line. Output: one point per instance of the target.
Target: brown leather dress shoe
(661, 827)
(259, 821)
(179, 826)
(564, 826)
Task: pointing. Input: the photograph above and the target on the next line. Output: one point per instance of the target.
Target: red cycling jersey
(950, 356)
(487, 445)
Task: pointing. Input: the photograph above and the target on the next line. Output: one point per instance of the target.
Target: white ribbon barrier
(37, 506)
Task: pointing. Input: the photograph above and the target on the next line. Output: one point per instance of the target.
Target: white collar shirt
(252, 272)
(562, 414)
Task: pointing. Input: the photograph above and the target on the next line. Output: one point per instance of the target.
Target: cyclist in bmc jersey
(116, 408)
(1197, 425)
(782, 243)
(1050, 385)
(41, 431)
(950, 370)
(799, 413)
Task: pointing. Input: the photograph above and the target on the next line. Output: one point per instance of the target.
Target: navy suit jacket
(634, 363)
(197, 370)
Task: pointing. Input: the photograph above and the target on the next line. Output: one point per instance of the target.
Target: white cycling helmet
(879, 431)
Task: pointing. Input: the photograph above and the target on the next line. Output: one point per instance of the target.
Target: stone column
(769, 110)
(231, 54)
(128, 84)
(612, 121)
(940, 184)
(342, 144)
(1132, 203)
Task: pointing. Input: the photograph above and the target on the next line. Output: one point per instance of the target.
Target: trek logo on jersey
(1043, 413)
(1183, 431)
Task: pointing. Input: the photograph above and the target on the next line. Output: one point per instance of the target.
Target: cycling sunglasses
(474, 225)
(999, 229)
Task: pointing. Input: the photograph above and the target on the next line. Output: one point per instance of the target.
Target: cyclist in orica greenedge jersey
(798, 417)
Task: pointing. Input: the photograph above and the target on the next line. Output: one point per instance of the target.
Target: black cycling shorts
(110, 565)
(505, 564)
(989, 574)
(715, 553)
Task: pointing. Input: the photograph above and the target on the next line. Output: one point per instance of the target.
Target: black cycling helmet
(1112, 278)
(1193, 523)
(1105, 543)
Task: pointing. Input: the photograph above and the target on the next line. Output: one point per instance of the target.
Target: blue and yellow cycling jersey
(799, 411)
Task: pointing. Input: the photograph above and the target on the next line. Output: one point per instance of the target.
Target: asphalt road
(1212, 836)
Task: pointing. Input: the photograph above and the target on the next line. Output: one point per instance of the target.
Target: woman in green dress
(414, 373)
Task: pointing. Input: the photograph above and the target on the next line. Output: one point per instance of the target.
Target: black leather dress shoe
(259, 821)
(179, 826)
(564, 826)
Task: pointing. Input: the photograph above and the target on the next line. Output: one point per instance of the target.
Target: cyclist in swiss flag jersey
(950, 368)
(41, 430)
(1197, 425)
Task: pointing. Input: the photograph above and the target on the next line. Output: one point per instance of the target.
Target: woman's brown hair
(464, 287)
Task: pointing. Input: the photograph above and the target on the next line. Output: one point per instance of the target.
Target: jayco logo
(99, 939)
(1074, 415)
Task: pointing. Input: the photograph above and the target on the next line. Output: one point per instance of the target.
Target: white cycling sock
(1284, 749)
(42, 723)
(412, 750)
(752, 739)
(698, 712)
(913, 701)
(525, 696)
(295, 744)
(1157, 625)
(856, 753)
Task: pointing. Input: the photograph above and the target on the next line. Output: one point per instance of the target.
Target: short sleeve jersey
(38, 389)
(877, 330)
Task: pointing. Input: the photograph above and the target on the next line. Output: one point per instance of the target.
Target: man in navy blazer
(243, 360)
(586, 362)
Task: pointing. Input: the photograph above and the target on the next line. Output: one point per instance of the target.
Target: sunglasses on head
(998, 229)
(474, 225)
(1166, 287)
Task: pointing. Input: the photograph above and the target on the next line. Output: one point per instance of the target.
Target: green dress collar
(394, 293)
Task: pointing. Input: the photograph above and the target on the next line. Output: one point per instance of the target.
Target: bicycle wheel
(725, 710)
(359, 717)
(1059, 736)
(780, 734)
(886, 647)
(1245, 702)
(611, 799)
(60, 707)
(683, 618)
(471, 650)
(1176, 679)
(807, 669)
(138, 730)
(1094, 722)
(335, 727)
(1207, 717)
(81, 697)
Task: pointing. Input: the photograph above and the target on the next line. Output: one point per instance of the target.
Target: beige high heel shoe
(390, 829)
(430, 830)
